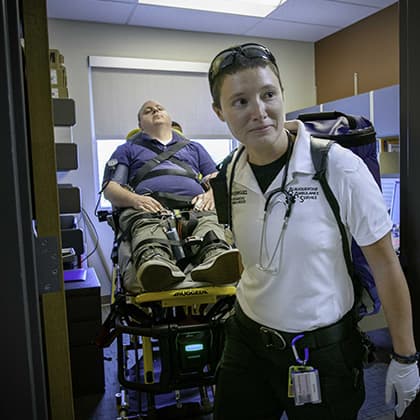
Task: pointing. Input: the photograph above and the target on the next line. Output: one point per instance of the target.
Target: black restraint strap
(173, 172)
(173, 201)
(173, 159)
(157, 160)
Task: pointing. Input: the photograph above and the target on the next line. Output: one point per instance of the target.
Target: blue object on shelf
(78, 274)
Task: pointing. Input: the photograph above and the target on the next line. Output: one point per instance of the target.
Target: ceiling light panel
(259, 8)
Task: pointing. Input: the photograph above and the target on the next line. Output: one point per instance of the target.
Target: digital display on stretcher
(194, 347)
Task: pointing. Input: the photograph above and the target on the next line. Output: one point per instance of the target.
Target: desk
(84, 318)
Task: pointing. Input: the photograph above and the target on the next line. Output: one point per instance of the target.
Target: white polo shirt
(300, 282)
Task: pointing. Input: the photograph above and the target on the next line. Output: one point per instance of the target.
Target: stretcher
(168, 344)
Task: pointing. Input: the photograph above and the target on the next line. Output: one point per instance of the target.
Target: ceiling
(299, 20)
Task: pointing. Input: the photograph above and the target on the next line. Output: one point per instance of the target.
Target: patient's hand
(204, 202)
(206, 180)
(147, 203)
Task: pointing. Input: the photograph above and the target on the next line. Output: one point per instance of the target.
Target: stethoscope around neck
(279, 196)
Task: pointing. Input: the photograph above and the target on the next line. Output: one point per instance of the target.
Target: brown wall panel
(369, 48)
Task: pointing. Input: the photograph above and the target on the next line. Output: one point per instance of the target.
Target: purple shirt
(133, 156)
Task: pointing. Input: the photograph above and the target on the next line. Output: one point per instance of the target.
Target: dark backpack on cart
(350, 131)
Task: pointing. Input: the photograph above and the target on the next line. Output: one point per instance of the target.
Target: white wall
(78, 40)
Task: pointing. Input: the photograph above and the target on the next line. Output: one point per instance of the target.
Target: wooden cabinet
(359, 58)
(83, 298)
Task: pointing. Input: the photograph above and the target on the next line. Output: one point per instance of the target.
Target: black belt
(280, 340)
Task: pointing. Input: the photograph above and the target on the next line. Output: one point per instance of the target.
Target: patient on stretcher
(167, 223)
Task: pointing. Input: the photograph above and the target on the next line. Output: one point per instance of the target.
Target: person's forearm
(393, 293)
(395, 298)
(119, 196)
(122, 197)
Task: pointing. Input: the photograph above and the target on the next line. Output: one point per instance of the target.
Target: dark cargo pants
(252, 381)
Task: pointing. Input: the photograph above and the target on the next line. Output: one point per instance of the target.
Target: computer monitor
(395, 203)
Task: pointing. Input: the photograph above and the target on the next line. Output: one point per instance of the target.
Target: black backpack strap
(157, 160)
(319, 153)
(221, 191)
(328, 115)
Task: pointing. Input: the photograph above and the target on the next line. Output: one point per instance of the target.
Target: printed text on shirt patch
(239, 197)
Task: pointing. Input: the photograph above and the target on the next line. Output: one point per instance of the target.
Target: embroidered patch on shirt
(239, 197)
(305, 193)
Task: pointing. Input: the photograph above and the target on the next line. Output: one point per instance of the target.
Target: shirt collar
(243, 172)
(300, 160)
(175, 138)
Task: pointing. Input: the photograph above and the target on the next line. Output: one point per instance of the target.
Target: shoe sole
(156, 277)
(226, 268)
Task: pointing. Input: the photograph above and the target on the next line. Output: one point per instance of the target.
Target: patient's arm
(205, 201)
(122, 197)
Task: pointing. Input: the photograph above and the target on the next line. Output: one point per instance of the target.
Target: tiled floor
(103, 407)
(374, 406)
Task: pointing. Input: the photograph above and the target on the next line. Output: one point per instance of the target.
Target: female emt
(292, 344)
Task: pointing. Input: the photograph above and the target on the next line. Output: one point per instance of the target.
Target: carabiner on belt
(306, 351)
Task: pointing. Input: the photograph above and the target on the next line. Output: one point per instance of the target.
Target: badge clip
(303, 383)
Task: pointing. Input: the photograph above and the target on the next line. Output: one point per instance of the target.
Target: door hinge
(47, 263)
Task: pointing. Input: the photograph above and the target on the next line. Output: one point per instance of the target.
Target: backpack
(350, 131)
(357, 134)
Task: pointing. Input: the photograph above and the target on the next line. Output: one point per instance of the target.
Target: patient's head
(153, 118)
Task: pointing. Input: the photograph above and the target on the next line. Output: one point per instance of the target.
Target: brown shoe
(220, 266)
(158, 273)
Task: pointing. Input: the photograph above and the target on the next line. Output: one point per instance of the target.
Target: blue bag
(357, 134)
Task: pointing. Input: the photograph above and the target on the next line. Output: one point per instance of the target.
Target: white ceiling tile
(279, 29)
(304, 20)
(380, 4)
(121, 1)
(188, 20)
(322, 12)
(90, 10)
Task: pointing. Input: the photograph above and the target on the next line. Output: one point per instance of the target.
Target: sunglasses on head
(227, 57)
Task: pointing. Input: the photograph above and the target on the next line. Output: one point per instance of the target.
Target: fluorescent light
(258, 8)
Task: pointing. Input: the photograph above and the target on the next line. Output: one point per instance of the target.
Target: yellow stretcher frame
(191, 300)
(186, 296)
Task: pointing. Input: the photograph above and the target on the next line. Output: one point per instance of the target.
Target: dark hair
(236, 59)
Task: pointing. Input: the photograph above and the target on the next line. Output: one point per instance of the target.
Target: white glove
(403, 379)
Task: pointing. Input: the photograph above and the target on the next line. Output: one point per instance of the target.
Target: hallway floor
(103, 406)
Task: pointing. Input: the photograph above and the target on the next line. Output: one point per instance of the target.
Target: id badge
(304, 385)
